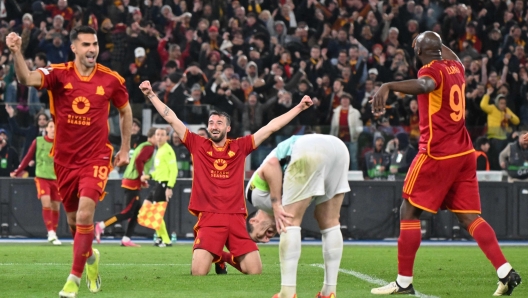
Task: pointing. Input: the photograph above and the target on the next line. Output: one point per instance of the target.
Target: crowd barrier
(370, 211)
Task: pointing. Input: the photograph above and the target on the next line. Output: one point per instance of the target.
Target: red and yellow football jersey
(218, 176)
(442, 112)
(79, 106)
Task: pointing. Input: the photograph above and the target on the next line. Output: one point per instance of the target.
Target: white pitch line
(102, 264)
(370, 279)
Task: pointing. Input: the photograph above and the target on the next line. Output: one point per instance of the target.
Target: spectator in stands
(346, 125)
(61, 8)
(402, 154)
(202, 131)
(55, 48)
(482, 146)
(253, 112)
(24, 99)
(141, 69)
(500, 117)
(377, 161)
(8, 156)
(514, 159)
(29, 33)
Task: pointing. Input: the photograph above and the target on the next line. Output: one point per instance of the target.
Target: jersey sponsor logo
(100, 90)
(220, 164)
(68, 86)
(80, 106)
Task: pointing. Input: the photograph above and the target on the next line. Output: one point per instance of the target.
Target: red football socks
(82, 248)
(408, 244)
(47, 216)
(228, 258)
(487, 241)
(55, 219)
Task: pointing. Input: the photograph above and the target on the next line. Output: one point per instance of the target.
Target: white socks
(404, 281)
(289, 253)
(332, 252)
(75, 279)
(503, 270)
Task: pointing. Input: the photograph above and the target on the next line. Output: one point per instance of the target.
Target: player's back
(442, 112)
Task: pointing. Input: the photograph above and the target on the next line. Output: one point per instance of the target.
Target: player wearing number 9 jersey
(80, 95)
(443, 174)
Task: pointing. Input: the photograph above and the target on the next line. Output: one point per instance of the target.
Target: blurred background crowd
(255, 59)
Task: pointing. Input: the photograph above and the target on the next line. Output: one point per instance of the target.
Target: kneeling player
(315, 169)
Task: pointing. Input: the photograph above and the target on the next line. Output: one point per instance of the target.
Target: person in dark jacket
(482, 146)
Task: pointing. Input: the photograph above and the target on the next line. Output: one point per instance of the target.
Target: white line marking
(370, 279)
(103, 264)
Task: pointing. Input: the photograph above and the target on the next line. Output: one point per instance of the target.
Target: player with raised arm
(445, 154)
(80, 93)
(217, 195)
(45, 180)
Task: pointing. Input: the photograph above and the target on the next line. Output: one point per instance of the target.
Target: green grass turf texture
(40, 270)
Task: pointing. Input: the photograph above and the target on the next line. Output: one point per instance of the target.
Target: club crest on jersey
(100, 90)
(231, 153)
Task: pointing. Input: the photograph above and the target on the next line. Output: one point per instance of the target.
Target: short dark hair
(481, 141)
(37, 116)
(220, 113)
(171, 64)
(81, 30)
(248, 225)
(151, 132)
(42, 56)
(204, 129)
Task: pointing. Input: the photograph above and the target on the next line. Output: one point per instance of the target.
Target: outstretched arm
(164, 110)
(24, 75)
(279, 122)
(421, 85)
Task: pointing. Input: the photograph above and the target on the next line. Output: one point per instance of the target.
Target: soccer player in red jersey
(45, 180)
(445, 154)
(80, 94)
(217, 195)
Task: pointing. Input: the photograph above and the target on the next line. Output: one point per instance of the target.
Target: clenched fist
(13, 42)
(306, 102)
(146, 88)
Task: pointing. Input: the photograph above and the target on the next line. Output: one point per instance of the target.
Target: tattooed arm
(164, 111)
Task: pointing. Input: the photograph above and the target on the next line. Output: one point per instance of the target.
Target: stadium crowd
(255, 59)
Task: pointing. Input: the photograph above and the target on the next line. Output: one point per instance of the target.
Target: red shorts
(89, 181)
(46, 187)
(213, 231)
(451, 184)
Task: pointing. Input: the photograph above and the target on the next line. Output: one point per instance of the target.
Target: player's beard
(220, 137)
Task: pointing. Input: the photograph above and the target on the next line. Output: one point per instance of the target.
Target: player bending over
(315, 169)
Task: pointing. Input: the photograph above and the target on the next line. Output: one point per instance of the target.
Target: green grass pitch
(40, 270)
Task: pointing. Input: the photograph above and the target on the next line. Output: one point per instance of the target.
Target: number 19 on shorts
(100, 172)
